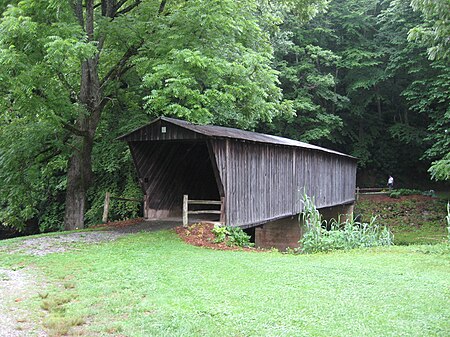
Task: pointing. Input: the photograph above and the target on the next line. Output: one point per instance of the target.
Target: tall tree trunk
(91, 97)
(79, 173)
(78, 181)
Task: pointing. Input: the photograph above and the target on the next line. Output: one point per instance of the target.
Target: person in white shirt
(390, 183)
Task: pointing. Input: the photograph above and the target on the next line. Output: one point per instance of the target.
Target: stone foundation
(285, 233)
(279, 234)
(340, 212)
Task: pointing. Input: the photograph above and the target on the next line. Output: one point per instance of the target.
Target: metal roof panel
(225, 132)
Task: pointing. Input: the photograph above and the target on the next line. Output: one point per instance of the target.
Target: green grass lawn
(153, 284)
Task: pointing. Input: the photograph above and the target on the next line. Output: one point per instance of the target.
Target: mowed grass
(152, 284)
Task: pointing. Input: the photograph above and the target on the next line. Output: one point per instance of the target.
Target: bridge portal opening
(170, 169)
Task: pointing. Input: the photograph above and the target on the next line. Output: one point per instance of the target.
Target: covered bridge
(259, 178)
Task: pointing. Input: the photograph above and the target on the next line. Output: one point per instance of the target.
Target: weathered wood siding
(264, 182)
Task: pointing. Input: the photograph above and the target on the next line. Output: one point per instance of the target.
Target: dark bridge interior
(168, 170)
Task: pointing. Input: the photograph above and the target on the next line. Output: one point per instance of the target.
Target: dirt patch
(139, 225)
(17, 286)
(120, 224)
(44, 245)
(201, 235)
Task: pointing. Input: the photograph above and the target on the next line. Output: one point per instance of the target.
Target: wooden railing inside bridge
(187, 212)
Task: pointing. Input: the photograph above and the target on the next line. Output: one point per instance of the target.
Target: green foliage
(358, 85)
(404, 191)
(32, 173)
(440, 169)
(348, 235)
(233, 236)
(415, 220)
(307, 82)
(434, 32)
(237, 237)
(395, 194)
(220, 233)
(429, 96)
(350, 79)
(212, 67)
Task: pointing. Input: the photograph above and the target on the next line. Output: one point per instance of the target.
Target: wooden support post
(222, 210)
(185, 210)
(357, 193)
(145, 206)
(106, 207)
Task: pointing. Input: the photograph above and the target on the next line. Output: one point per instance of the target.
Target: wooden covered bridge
(257, 179)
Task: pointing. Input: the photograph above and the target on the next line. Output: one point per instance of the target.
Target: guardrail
(186, 211)
(371, 191)
(108, 198)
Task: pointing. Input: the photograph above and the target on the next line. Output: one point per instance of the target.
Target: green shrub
(220, 232)
(233, 236)
(403, 192)
(348, 235)
(237, 237)
(395, 195)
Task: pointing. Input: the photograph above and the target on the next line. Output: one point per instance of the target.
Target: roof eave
(186, 125)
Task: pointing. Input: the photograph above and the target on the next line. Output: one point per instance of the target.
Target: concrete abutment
(286, 232)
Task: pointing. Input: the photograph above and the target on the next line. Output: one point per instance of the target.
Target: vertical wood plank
(106, 207)
(146, 215)
(222, 210)
(185, 210)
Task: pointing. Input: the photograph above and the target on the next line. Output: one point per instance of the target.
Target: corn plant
(347, 235)
(313, 222)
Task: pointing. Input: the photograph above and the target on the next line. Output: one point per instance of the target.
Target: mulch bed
(201, 235)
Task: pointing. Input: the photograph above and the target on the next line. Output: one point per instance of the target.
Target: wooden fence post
(222, 210)
(185, 210)
(145, 207)
(106, 207)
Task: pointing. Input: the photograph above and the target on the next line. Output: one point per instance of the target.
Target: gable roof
(225, 132)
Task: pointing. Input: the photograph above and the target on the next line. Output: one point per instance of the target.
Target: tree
(432, 96)
(435, 31)
(63, 67)
(348, 72)
(307, 76)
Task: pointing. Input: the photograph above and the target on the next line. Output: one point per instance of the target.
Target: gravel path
(43, 245)
(16, 286)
